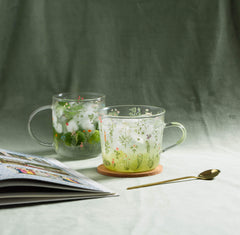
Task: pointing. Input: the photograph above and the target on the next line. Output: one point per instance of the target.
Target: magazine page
(19, 201)
(23, 169)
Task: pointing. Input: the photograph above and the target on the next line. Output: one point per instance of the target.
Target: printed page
(15, 167)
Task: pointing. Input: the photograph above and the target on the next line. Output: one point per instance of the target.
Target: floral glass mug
(75, 124)
(131, 137)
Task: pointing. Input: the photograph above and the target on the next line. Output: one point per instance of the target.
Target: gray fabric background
(181, 55)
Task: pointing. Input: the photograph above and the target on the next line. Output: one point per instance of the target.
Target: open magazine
(32, 179)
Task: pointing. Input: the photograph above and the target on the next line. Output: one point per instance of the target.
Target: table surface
(186, 207)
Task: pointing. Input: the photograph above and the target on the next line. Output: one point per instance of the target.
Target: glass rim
(161, 113)
(63, 96)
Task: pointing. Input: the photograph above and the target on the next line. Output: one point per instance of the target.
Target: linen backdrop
(181, 55)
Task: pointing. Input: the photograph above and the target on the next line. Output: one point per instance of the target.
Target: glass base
(78, 153)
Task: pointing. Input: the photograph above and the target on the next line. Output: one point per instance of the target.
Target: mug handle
(183, 137)
(30, 128)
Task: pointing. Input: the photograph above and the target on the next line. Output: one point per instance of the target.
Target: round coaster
(104, 171)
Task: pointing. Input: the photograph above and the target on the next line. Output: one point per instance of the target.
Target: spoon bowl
(209, 174)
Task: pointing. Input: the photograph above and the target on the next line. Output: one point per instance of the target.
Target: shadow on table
(42, 153)
(52, 154)
(162, 184)
(92, 173)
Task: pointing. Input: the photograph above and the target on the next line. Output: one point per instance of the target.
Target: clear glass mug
(131, 137)
(75, 124)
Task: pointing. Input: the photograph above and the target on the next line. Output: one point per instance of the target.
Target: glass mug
(131, 137)
(75, 124)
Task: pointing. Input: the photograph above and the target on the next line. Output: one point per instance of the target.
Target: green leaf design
(67, 138)
(139, 160)
(124, 140)
(148, 146)
(80, 137)
(106, 162)
(91, 117)
(94, 138)
(71, 111)
(126, 164)
(70, 139)
(62, 103)
(150, 162)
(134, 148)
(107, 147)
(135, 111)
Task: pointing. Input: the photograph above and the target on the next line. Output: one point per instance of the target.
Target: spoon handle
(162, 182)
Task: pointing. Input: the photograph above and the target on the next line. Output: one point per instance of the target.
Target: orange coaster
(104, 171)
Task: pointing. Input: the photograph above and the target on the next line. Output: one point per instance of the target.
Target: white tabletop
(189, 207)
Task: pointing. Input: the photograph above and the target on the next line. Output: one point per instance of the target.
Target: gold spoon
(205, 175)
